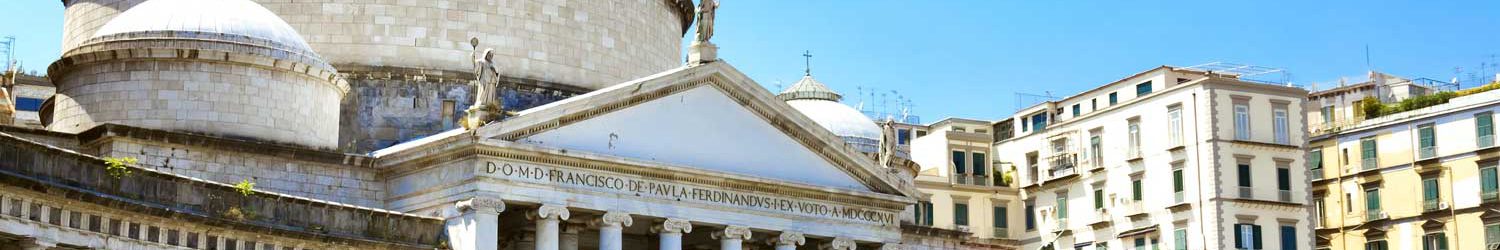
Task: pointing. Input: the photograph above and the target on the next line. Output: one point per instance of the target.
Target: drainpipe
(1198, 168)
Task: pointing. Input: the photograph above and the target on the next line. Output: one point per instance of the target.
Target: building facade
(961, 187)
(1418, 179)
(1170, 158)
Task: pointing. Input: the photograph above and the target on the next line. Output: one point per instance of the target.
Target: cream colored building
(1419, 179)
(961, 186)
(1169, 158)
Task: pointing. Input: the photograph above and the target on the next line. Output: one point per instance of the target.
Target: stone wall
(270, 172)
(201, 96)
(382, 111)
(82, 18)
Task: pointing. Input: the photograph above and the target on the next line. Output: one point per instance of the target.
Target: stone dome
(822, 105)
(234, 21)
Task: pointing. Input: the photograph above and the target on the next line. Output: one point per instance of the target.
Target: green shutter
(1442, 241)
(1000, 220)
(1098, 198)
(1372, 200)
(1491, 234)
(1487, 180)
(927, 206)
(961, 214)
(1255, 233)
(1239, 235)
(1315, 161)
(1426, 137)
(1486, 125)
(1177, 181)
(1429, 189)
(1179, 239)
(1367, 149)
(1136, 189)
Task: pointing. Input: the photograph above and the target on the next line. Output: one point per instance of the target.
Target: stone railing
(87, 178)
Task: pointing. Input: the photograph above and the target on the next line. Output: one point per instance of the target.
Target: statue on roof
(703, 51)
(486, 82)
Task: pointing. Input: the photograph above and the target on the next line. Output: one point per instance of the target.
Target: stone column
(37, 244)
(732, 237)
(476, 224)
(671, 232)
(788, 241)
(611, 227)
(838, 244)
(568, 239)
(547, 219)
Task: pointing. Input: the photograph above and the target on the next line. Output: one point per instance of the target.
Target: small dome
(237, 21)
(820, 103)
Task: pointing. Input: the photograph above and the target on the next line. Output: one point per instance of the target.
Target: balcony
(1063, 160)
(1488, 197)
(1130, 207)
(1000, 233)
(974, 180)
(1433, 205)
(1133, 154)
(1059, 225)
(1247, 192)
(1374, 215)
(1368, 163)
(1315, 174)
(1284, 195)
(1177, 197)
(1486, 141)
(1428, 152)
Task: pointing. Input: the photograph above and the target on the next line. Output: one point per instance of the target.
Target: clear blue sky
(969, 58)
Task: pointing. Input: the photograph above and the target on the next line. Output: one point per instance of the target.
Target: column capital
(672, 225)
(733, 232)
(789, 238)
(892, 246)
(838, 244)
(481, 205)
(549, 212)
(613, 219)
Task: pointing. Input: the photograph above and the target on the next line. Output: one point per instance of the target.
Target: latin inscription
(683, 192)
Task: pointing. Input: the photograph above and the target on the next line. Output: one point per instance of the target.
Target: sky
(971, 59)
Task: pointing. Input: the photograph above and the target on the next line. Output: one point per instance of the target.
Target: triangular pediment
(708, 117)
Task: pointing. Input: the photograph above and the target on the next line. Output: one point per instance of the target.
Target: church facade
(239, 124)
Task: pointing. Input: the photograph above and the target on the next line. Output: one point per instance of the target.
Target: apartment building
(1339, 106)
(1416, 179)
(962, 187)
(1169, 158)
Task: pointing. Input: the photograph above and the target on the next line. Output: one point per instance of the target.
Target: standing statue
(703, 51)
(706, 20)
(887, 142)
(486, 81)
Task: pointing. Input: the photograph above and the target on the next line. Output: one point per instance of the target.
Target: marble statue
(706, 20)
(486, 83)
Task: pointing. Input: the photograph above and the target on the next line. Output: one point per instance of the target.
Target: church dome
(821, 104)
(234, 21)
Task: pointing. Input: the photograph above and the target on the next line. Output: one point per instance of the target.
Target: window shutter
(1255, 232)
(1239, 236)
(1487, 179)
(1177, 185)
(1442, 241)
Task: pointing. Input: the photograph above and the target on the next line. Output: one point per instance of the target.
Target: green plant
(245, 187)
(118, 166)
(1372, 107)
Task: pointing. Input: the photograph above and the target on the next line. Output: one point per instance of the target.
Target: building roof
(809, 88)
(237, 21)
(821, 103)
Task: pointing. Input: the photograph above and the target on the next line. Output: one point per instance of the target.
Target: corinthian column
(476, 224)
(547, 218)
(732, 237)
(611, 226)
(788, 241)
(671, 232)
(838, 244)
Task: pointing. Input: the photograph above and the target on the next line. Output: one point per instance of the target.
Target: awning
(1137, 231)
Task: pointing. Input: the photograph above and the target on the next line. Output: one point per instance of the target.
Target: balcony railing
(1491, 196)
(1177, 197)
(1427, 152)
(1315, 174)
(1133, 153)
(1369, 163)
(975, 180)
(1374, 215)
(1486, 141)
(1000, 233)
(1063, 160)
(1284, 195)
(1247, 192)
(1130, 207)
(1430, 205)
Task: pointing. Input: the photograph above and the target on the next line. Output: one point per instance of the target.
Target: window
(903, 136)
(1244, 174)
(1143, 89)
(1136, 194)
(1318, 212)
(1487, 182)
(1283, 179)
(1315, 163)
(961, 214)
(1096, 148)
(1177, 185)
(1349, 206)
(921, 133)
(1491, 235)
(1140, 243)
(1077, 110)
(1376, 245)
(1434, 241)
(1288, 238)
(1372, 202)
(1062, 205)
(1246, 236)
(979, 164)
(1039, 121)
(999, 214)
(1134, 130)
(1114, 98)
(1484, 126)
(1030, 215)
(958, 162)
(28, 104)
(1430, 193)
(1023, 124)
(1426, 143)
(1094, 104)
(1327, 113)
(926, 213)
(1174, 125)
(1241, 122)
(1367, 153)
(960, 129)
(1280, 122)
(1098, 199)
(1179, 239)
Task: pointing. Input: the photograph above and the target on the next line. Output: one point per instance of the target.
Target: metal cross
(808, 63)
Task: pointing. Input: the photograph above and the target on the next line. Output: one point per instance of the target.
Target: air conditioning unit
(1442, 205)
(963, 228)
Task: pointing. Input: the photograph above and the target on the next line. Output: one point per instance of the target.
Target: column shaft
(610, 237)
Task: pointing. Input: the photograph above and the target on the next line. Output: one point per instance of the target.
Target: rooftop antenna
(1368, 66)
(8, 47)
(807, 54)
